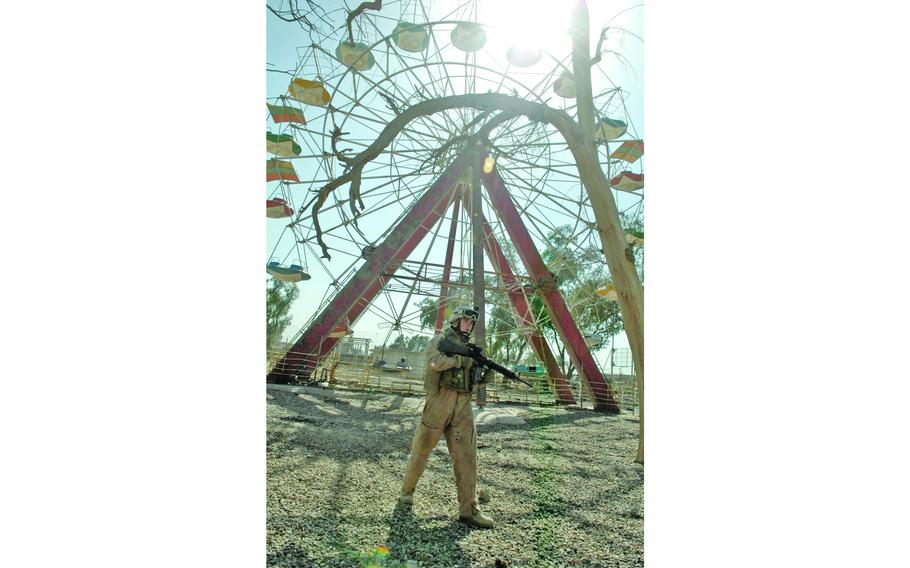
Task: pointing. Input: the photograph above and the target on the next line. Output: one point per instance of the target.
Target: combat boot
(478, 519)
(406, 498)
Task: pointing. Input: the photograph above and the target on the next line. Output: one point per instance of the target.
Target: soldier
(447, 381)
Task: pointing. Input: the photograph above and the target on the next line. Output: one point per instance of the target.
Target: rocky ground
(564, 489)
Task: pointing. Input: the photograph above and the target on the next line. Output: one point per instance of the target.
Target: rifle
(450, 348)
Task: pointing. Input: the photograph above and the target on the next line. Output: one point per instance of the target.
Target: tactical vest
(457, 378)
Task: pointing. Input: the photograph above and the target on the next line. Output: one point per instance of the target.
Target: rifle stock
(450, 347)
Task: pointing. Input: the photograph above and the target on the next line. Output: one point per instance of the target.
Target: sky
(515, 22)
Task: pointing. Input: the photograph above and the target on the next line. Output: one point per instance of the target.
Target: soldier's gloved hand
(487, 377)
(466, 361)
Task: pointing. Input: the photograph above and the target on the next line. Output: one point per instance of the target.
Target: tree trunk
(625, 278)
(521, 351)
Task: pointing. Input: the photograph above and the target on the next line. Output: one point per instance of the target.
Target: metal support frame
(477, 246)
(447, 268)
(525, 319)
(351, 301)
(552, 299)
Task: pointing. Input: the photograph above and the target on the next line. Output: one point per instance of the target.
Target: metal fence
(362, 375)
(351, 367)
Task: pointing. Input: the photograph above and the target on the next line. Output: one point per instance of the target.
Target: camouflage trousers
(447, 412)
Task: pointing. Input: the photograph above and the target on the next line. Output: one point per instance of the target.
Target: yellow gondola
(607, 291)
(309, 92)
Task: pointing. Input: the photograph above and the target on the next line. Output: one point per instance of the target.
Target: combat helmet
(463, 312)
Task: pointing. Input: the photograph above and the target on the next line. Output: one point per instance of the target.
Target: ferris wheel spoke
(375, 85)
(415, 282)
(414, 76)
(558, 209)
(559, 200)
(395, 85)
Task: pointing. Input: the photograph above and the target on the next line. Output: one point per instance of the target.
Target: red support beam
(523, 315)
(447, 270)
(524, 318)
(552, 299)
(351, 301)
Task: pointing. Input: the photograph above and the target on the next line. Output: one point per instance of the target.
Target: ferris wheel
(370, 239)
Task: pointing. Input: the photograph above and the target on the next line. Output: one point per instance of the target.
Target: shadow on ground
(564, 490)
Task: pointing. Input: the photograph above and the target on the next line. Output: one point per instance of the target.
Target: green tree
(278, 300)
(399, 342)
(428, 308)
(413, 343)
(417, 342)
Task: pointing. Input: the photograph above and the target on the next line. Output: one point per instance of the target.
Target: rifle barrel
(505, 372)
(449, 347)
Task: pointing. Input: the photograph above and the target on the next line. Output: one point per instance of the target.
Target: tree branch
(336, 136)
(600, 42)
(359, 10)
(390, 102)
(295, 16)
(272, 10)
(488, 102)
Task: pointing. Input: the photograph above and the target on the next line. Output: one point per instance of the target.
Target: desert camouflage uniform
(448, 411)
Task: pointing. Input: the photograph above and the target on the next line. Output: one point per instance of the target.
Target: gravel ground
(564, 489)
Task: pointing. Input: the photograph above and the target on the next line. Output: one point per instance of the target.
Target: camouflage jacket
(452, 372)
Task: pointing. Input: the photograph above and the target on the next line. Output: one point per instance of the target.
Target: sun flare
(528, 24)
